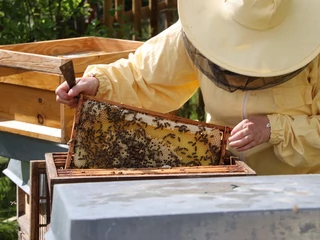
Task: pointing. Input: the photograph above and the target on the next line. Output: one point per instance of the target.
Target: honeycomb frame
(107, 134)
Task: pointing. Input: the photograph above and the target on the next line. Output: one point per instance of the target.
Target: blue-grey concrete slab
(260, 207)
(21, 150)
(27, 148)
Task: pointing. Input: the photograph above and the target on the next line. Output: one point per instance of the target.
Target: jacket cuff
(276, 128)
(104, 83)
(104, 86)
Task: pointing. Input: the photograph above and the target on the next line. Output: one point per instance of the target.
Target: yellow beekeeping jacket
(161, 77)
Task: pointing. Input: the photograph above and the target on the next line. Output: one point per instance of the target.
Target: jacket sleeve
(158, 76)
(296, 138)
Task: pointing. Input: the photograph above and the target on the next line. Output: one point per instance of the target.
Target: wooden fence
(156, 9)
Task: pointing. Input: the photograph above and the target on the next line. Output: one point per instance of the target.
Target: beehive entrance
(111, 135)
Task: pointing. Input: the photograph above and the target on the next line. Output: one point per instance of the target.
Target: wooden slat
(171, 5)
(120, 15)
(51, 171)
(35, 170)
(64, 178)
(21, 204)
(73, 131)
(154, 15)
(110, 46)
(56, 162)
(245, 166)
(84, 51)
(149, 171)
(24, 225)
(66, 121)
(34, 79)
(31, 130)
(136, 12)
(107, 18)
(29, 105)
(30, 61)
(54, 47)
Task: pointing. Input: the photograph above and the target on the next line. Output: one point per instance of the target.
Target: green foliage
(194, 108)
(7, 196)
(8, 230)
(36, 20)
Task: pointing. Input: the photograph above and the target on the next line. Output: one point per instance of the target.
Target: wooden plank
(248, 170)
(30, 61)
(154, 16)
(107, 18)
(21, 204)
(151, 171)
(34, 194)
(24, 225)
(84, 51)
(31, 130)
(66, 122)
(100, 178)
(34, 79)
(48, 199)
(120, 16)
(50, 165)
(136, 12)
(110, 46)
(29, 105)
(43, 220)
(171, 6)
(51, 173)
(54, 47)
(37, 167)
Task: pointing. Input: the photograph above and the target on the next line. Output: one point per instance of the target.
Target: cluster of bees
(113, 136)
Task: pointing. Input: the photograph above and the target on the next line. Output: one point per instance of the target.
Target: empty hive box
(111, 142)
(29, 75)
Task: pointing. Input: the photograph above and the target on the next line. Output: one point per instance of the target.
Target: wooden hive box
(57, 174)
(29, 75)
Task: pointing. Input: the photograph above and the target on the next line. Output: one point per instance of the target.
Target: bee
(166, 167)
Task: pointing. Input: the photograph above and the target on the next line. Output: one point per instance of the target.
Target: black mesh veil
(231, 81)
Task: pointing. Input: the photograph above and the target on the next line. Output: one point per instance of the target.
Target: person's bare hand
(86, 85)
(250, 133)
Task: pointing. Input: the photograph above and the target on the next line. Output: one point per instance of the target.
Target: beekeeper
(257, 64)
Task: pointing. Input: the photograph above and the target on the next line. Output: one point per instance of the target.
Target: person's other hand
(86, 85)
(250, 133)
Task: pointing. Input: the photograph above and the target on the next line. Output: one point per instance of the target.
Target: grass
(3, 160)
(8, 230)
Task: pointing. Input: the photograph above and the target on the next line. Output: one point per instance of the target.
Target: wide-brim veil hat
(253, 37)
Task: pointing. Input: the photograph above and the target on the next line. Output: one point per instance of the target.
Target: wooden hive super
(29, 75)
